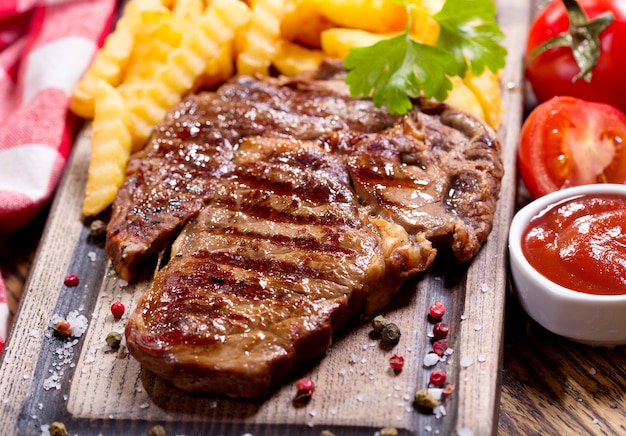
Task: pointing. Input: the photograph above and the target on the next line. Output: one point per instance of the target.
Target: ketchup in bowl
(580, 243)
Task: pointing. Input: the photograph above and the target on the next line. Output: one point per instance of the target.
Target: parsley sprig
(395, 70)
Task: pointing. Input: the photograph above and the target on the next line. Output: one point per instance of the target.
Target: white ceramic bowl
(585, 318)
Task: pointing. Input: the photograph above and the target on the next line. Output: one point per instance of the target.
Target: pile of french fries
(161, 50)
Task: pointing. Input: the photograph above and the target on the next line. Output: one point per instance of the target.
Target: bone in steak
(300, 207)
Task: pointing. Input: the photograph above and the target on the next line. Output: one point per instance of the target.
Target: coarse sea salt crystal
(431, 359)
(92, 256)
(467, 361)
(481, 358)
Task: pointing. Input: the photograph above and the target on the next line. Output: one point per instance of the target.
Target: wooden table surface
(550, 386)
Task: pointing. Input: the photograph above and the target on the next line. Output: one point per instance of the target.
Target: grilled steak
(175, 176)
(291, 225)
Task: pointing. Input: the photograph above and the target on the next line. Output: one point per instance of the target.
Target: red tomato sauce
(580, 244)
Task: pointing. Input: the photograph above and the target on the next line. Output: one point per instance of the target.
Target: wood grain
(101, 392)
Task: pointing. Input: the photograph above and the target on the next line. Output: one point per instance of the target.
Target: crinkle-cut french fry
(303, 24)
(187, 11)
(378, 16)
(257, 45)
(292, 59)
(155, 38)
(111, 60)
(338, 41)
(110, 149)
(185, 64)
(219, 68)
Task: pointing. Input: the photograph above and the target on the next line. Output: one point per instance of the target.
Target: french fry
(464, 98)
(303, 24)
(292, 59)
(338, 41)
(218, 69)
(185, 64)
(257, 45)
(424, 28)
(110, 149)
(111, 60)
(186, 11)
(155, 37)
(377, 16)
(488, 91)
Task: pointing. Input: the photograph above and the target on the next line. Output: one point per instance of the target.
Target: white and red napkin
(45, 47)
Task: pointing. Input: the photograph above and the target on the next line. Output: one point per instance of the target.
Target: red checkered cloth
(45, 47)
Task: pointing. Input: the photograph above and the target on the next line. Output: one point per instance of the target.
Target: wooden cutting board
(91, 390)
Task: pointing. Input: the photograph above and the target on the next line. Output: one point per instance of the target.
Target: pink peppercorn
(396, 362)
(304, 389)
(437, 310)
(438, 377)
(117, 309)
(440, 330)
(440, 347)
(71, 280)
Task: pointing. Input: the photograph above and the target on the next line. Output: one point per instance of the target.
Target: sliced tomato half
(566, 141)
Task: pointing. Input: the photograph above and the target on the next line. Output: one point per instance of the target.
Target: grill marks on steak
(299, 207)
(282, 256)
(170, 181)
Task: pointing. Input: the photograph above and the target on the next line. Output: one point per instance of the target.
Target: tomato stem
(582, 37)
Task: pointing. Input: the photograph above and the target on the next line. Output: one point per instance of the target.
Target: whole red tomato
(551, 73)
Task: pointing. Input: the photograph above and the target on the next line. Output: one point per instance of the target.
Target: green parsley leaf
(395, 70)
(392, 69)
(469, 31)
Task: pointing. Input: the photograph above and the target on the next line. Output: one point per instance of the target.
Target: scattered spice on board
(436, 310)
(440, 330)
(97, 228)
(57, 429)
(114, 339)
(396, 362)
(378, 323)
(439, 347)
(304, 390)
(157, 430)
(390, 334)
(71, 280)
(438, 377)
(117, 309)
(423, 398)
(63, 328)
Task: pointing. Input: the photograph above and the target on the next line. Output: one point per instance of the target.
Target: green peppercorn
(423, 398)
(114, 339)
(379, 323)
(97, 228)
(57, 429)
(157, 430)
(390, 334)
